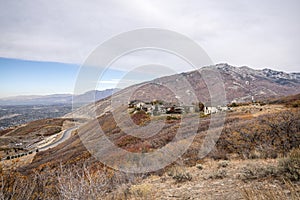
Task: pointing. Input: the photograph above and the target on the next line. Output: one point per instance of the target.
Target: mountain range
(241, 84)
(58, 98)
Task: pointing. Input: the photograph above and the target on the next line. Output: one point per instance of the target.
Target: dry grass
(218, 174)
(141, 191)
(37, 127)
(256, 138)
(288, 191)
(140, 118)
(69, 182)
(253, 171)
(246, 137)
(290, 166)
(268, 136)
(179, 174)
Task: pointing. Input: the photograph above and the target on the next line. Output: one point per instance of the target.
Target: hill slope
(241, 84)
(262, 85)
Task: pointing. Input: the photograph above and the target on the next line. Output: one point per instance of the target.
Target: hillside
(241, 85)
(249, 159)
(258, 145)
(262, 84)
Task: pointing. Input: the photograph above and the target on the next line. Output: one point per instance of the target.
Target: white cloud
(117, 83)
(112, 81)
(255, 33)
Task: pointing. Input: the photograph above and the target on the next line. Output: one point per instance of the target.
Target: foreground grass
(210, 179)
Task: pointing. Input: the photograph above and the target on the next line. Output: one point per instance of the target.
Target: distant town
(20, 114)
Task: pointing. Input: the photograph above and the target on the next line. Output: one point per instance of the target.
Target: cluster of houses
(211, 109)
(155, 108)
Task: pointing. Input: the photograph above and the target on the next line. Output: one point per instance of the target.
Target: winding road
(66, 135)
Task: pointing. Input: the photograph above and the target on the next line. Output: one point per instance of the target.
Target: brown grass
(288, 191)
(245, 136)
(37, 127)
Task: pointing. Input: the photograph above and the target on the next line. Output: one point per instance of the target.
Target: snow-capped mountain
(241, 84)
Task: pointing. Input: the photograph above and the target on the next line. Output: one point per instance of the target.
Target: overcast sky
(255, 33)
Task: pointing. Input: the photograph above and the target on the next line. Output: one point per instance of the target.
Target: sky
(44, 43)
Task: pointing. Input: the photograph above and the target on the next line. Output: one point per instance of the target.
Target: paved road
(67, 133)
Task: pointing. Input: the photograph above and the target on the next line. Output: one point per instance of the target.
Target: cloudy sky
(257, 33)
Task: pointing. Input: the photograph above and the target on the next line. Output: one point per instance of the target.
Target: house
(156, 107)
(133, 103)
(19, 144)
(212, 109)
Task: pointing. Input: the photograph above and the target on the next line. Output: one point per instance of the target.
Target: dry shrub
(120, 193)
(269, 136)
(141, 191)
(140, 118)
(199, 166)
(35, 186)
(84, 183)
(80, 184)
(289, 191)
(72, 182)
(223, 163)
(287, 168)
(179, 174)
(290, 166)
(253, 171)
(219, 174)
(173, 117)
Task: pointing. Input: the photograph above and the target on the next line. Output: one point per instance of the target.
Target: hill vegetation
(257, 150)
(255, 157)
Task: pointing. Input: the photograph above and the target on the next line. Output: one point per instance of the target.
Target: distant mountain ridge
(280, 75)
(242, 84)
(58, 98)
